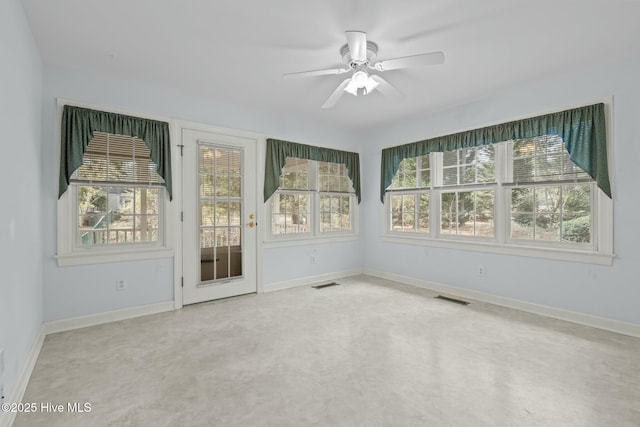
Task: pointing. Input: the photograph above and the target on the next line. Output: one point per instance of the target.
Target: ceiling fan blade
(384, 87)
(333, 98)
(433, 58)
(357, 41)
(329, 71)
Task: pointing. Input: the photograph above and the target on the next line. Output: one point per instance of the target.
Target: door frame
(178, 208)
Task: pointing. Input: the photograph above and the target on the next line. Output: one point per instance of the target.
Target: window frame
(315, 234)
(69, 253)
(600, 250)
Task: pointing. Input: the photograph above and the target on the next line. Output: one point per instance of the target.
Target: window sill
(508, 249)
(314, 240)
(101, 256)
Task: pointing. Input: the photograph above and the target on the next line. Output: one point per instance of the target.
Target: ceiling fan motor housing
(372, 54)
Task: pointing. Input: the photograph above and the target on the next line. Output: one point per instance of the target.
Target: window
(551, 198)
(314, 198)
(465, 206)
(115, 185)
(119, 193)
(544, 200)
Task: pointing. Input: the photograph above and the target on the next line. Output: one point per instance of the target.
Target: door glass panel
(221, 213)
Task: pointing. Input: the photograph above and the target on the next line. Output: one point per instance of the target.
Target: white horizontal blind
(117, 159)
(543, 158)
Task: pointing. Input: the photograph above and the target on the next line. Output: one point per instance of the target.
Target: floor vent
(325, 285)
(456, 301)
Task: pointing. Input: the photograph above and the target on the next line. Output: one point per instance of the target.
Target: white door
(219, 225)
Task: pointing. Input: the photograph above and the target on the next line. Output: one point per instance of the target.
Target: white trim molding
(611, 325)
(78, 322)
(20, 386)
(310, 280)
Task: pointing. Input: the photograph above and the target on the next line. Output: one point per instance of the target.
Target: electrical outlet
(482, 271)
(121, 285)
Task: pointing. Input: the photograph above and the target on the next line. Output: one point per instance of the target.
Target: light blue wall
(75, 291)
(611, 292)
(21, 207)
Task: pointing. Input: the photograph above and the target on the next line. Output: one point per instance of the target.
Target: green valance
(582, 130)
(78, 125)
(278, 151)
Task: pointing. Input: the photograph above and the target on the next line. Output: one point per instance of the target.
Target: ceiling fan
(360, 55)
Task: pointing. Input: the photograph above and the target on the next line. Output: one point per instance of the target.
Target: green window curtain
(278, 151)
(78, 125)
(582, 130)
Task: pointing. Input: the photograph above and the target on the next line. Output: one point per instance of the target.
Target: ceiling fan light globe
(360, 78)
(370, 85)
(352, 88)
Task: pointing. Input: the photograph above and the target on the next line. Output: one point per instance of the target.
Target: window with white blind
(314, 199)
(551, 199)
(522, 196)
(119, 193)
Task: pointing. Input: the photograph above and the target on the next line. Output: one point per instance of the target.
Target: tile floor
(367, 353)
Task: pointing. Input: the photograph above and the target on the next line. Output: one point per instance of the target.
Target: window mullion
(501, 205)
(434, 197)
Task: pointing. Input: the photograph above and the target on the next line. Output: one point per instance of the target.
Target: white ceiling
(236, 51)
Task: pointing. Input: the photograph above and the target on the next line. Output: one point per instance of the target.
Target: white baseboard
(611, 325)
(310, 280)
(106, 317)
(17, 392)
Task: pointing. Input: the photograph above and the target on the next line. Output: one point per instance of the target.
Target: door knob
(251, 224)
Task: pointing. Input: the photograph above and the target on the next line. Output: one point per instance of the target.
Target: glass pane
(290, 213)
(423, 214)
(403, 212)
(521, 226)
(222, 158)
(425, 178)
(396, 212)
(450, 176)
(522, 199)
(450, 158)
(577, 199)
(548, 199)
(547, 227)
(207, 237)
(468, 174)
(206, 213)
(206, 160)
(121, 229)
(485, 205)
(234, 213)
(234, 186)
(221, 214)
(222, 185)
(146, 228)
(146, 201)
(206, 185)
(234, 165)
(465, 213)
(576, 228)
(107, 215)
